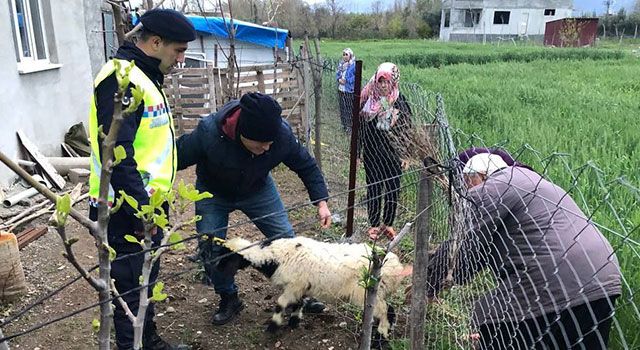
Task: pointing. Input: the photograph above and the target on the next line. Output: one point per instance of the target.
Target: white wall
(526, 18)
(248, 54)
(521, 22)
(44, 104)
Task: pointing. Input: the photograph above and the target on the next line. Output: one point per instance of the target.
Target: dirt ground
(185, 315)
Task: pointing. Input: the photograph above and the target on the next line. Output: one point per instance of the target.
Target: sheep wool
(304, 267)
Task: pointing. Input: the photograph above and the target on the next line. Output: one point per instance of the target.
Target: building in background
(571, 32)
(45, 72)
(495, 20)
(254, 44)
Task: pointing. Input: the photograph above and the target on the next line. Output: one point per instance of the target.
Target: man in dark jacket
(235, 150)
(147, 136)
(557, 276)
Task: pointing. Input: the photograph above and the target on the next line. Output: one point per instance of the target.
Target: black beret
(260, 117)
(169, 24)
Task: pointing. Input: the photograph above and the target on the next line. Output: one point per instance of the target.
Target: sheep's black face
(229, 265)
(268, 268)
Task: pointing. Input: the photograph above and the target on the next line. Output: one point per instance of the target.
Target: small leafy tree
(152, 215)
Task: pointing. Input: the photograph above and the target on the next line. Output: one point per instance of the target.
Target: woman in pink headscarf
(385, 116)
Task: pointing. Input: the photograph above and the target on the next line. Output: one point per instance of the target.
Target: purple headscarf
(465, 155)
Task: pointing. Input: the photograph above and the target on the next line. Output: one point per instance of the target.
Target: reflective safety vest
(154, 145)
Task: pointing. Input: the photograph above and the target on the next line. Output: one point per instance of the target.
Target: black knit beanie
(260, 117)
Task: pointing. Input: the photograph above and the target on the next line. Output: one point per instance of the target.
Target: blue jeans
(215, 219)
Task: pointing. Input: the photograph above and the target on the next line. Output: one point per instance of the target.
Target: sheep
(304, 267)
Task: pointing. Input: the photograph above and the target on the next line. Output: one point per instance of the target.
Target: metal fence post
(355, 128)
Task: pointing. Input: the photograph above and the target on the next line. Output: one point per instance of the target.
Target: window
(550, 12)
(29, 36)
(501, 17)
(109, 37)
(472, 17)
(447, 18)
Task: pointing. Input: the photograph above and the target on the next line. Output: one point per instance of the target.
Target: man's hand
(324, 214)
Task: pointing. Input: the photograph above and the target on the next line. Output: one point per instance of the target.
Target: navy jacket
(226, 168)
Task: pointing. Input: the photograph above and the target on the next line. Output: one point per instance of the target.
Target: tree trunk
(119, 23)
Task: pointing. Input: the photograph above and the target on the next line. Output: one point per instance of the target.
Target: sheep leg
(296, 314)
(381, 313)
(277, 319)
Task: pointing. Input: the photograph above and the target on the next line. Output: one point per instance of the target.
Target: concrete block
(78, 175)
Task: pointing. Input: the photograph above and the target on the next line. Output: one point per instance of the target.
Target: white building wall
(525, 20)
(44, 104)
(247, 53)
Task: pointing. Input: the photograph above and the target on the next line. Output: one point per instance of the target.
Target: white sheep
(304, 267)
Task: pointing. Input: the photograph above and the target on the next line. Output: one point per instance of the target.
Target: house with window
(494, 20)
(46, 71)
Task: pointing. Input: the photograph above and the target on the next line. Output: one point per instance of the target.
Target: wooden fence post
(306, 80)
(224, 80)
(317, 94)
(211, 80)
(421, 260)
(260, 77)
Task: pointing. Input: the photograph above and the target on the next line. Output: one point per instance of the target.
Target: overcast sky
(579, 6)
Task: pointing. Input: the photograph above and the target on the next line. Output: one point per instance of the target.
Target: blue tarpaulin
(245, 31)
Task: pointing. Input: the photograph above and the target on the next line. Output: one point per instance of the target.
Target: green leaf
(63, 207)
(137, 96)
(161, 221)
(112, 252)
(140, 280)
(119, 154)
(133, 203)
(156, 199)
(95, 324)
(157, 294)
(131, 239)
(117, 205)
(147, 213)
(190, 193)
(175, 240)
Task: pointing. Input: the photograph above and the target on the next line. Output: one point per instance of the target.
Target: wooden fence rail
(193, 93)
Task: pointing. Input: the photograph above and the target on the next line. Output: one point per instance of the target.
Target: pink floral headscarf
(373, 104)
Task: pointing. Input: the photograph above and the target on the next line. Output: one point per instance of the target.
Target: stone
(78, 175)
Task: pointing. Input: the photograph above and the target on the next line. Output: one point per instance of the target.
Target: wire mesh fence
(541, 255)
(538, 254)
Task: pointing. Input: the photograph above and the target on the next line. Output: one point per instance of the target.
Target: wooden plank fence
(193, 93)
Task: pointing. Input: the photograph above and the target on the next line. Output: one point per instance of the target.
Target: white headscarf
(484, 163)
(352, 57)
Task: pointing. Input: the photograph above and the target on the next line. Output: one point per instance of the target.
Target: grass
(578, 105)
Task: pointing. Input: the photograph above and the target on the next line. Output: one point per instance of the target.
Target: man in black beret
(148, 138)
(235, 150)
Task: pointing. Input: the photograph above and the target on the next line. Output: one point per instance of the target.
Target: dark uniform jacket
(226, 168)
